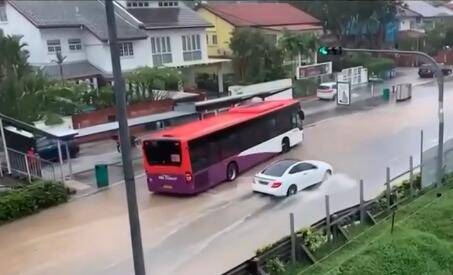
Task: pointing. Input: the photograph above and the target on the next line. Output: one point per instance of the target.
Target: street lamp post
(120, 101)
(440, 84)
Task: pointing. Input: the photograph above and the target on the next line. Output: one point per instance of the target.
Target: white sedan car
(287, 177)
(327, 90)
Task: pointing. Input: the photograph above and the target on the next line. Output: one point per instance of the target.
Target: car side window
(302, 167)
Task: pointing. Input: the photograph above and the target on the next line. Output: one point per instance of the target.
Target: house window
(161, 49)
(214, 39)
(75, 44)
(191, 47)
(53, 46)
(168, 4)
(3, 17)
(126, 49)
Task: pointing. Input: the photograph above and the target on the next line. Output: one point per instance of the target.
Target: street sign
(313, 70)
(343, 93)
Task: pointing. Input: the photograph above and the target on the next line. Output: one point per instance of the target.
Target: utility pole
(440, 109)
(120, 100)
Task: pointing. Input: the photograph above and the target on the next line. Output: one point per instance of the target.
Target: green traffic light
(323, 51)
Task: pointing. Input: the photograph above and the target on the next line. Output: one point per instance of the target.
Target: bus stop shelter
(18, 162)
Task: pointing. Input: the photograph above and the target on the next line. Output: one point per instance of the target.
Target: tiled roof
(68, 13)
(72, 70)
(427, 10)
(159, 18)
(261, 14)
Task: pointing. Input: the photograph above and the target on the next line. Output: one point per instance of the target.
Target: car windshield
(278, 169)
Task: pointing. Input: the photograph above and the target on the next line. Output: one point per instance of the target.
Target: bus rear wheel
(285, 145)
(232, 171)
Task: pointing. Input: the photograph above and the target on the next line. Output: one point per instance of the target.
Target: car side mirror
(301, 115)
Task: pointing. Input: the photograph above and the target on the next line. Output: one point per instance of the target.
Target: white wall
(97, 52)
(176, 43)
(405, 24)
(63, 34)
(19, 25)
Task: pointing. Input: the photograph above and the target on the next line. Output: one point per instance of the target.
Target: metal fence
(31, 167)
(336, 224)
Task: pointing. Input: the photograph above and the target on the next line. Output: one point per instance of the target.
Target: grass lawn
(422, 242)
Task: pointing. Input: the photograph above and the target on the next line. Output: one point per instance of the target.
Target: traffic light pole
(440, 84)
(120, 102)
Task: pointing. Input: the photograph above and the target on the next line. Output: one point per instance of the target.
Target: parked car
(287, 177)
(327, 90)
(427, 70)
(48, 149)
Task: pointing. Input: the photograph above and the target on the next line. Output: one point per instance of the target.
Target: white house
(417, 16)
(150, 33)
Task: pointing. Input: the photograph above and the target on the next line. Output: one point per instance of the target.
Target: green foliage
(435, 38)
(31, 198)
(449, 37)
(146, 83)
(343, 18)
(313, 240)
(407, 252)
(52, 119)
(375, 65)
(275, 266)
(304, 87)
(255, 58)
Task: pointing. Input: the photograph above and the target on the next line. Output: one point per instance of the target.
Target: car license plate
(263, 182)
(167, 186)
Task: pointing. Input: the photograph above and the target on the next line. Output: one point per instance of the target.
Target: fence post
(362, 206)
(293, 238)
(328, 229)
(387, 187)
(5, 147)
(68, 157)
(60, 158)
(411, 176)
(27, 166)
(421, 155)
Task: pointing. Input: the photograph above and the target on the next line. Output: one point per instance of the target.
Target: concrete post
(293, 238)
(362, 204)
(328, 229)
(220, 78)
(5, 147)
(421, 156)
(411, 176)
(60, 158)
(68, 156)
(387, 187)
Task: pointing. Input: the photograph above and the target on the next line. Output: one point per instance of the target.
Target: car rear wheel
(292, 190)
(232, 171)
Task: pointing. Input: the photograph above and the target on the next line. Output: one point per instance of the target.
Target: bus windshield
(163, 152)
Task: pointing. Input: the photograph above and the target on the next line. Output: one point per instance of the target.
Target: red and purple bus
(193, 157)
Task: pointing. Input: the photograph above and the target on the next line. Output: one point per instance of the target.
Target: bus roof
(232, 117)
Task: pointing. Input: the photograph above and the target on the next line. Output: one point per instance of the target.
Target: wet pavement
(212, 232)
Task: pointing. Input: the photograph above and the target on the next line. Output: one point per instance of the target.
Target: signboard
(313, 70)
(343, 93)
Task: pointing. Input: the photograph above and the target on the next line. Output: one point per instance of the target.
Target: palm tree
(59, 60)
(296, 46)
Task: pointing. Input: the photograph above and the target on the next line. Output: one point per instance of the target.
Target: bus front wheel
(232, 171)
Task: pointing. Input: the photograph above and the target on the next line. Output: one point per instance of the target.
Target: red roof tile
(261, 14)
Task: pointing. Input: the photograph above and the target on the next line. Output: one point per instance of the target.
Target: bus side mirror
(301, 115)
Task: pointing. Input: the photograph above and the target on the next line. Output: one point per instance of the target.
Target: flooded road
(212, 232)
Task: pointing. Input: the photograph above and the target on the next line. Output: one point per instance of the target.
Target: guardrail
(32, 167)
(292, 248)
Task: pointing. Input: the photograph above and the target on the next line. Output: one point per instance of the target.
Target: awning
(210, 61)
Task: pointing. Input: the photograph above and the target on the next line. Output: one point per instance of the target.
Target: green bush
(313, 240)
(31, 198)
(275, 266)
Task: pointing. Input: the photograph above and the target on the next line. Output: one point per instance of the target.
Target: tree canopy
(255, 57)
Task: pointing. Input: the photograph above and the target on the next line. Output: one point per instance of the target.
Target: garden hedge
(28, 199)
